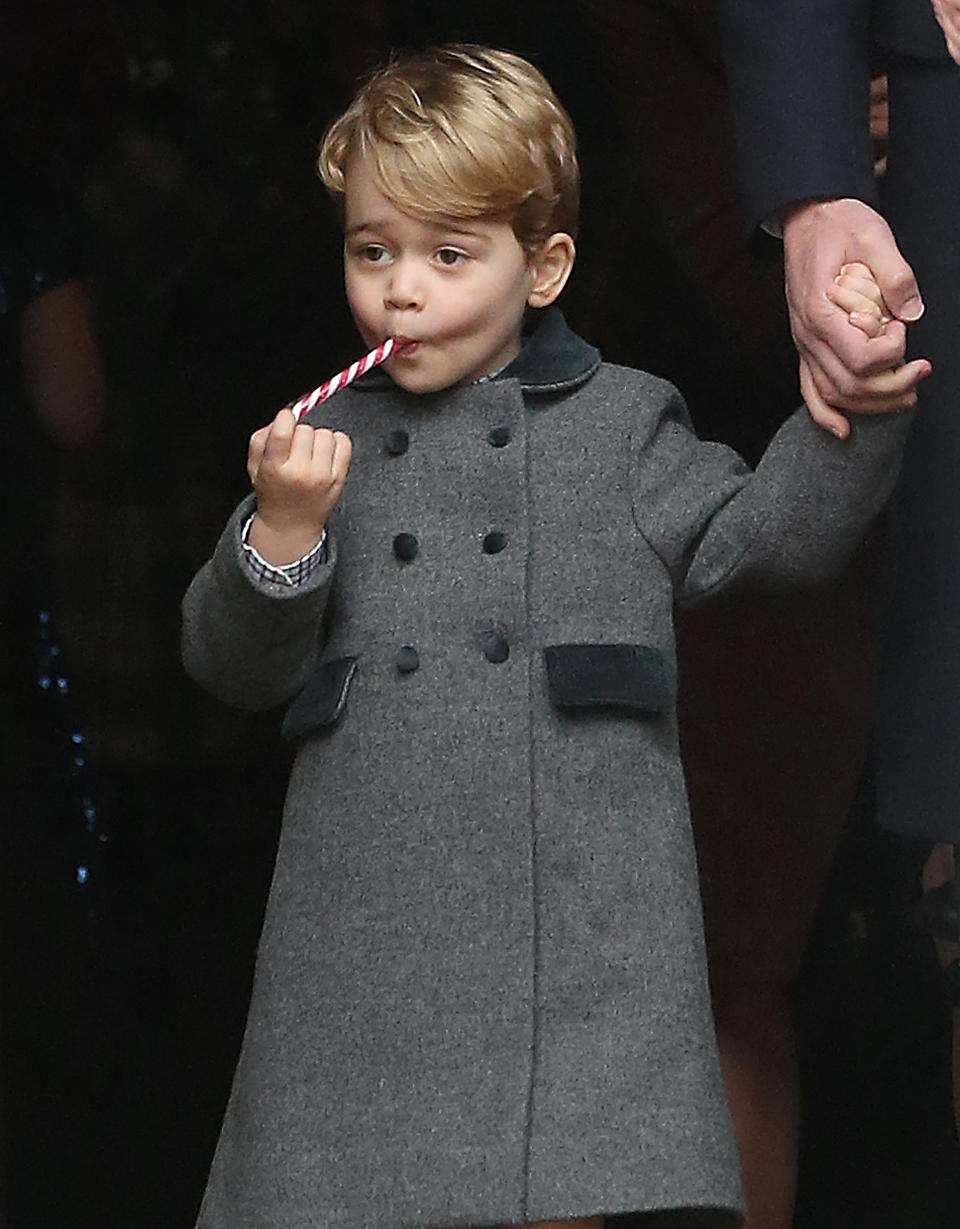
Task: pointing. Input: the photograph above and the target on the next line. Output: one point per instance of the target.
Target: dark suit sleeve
(799, 77)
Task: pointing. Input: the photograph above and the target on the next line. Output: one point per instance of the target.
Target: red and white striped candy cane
(342, 378)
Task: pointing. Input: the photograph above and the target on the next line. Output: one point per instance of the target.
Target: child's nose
(404, 290)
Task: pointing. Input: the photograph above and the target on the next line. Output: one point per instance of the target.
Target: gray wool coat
(481, 991)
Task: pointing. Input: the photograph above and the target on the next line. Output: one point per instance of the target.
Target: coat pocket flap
(632, 676)
(322, 698)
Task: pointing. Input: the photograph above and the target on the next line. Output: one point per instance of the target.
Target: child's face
(454, 291)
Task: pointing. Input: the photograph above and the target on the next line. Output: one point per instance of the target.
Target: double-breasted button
(496, 649)
(398, 442)
(407, 659)
(405, 546)
(494, 542)
(499, 437)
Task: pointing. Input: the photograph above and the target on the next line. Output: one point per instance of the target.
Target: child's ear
(551, 267)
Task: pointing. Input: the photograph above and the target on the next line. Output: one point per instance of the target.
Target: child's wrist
(283, 544)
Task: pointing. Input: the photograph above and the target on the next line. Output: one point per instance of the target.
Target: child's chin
(413, 382)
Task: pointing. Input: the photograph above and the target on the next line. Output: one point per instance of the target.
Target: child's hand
(856, 292)
(298, 473)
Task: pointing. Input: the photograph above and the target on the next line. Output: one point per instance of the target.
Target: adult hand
(840, 366)
(947, 12)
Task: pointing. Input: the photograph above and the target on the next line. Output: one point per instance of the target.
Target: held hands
(855, 291)
(297, 473)
(842, 366)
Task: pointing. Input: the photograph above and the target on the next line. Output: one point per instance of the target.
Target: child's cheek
(361, 303)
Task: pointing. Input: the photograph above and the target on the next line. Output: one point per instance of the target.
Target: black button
(494, 542)
(496, 649)
(408, 659)
(499, 437)
(405, 546)
(397, 443)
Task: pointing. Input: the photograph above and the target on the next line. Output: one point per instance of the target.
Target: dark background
(179, 140)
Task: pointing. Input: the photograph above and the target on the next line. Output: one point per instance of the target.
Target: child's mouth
(406, 346)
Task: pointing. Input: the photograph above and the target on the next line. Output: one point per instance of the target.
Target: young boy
(481, 995)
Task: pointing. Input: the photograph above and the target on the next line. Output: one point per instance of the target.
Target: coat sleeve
(793, 521)
(799, 78)
(252, 643)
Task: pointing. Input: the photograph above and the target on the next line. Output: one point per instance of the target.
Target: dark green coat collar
(553, 358)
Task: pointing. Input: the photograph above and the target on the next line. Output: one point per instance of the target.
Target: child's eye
(450, 256)
(373, 253)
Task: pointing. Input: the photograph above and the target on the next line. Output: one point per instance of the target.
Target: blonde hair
(462, 131)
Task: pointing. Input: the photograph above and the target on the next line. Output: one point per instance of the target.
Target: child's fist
(856, 292)
(297, 473)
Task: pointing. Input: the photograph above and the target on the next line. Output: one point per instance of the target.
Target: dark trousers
(918, 731)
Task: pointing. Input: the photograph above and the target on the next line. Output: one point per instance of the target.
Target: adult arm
(799, 77)
(798, 73)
